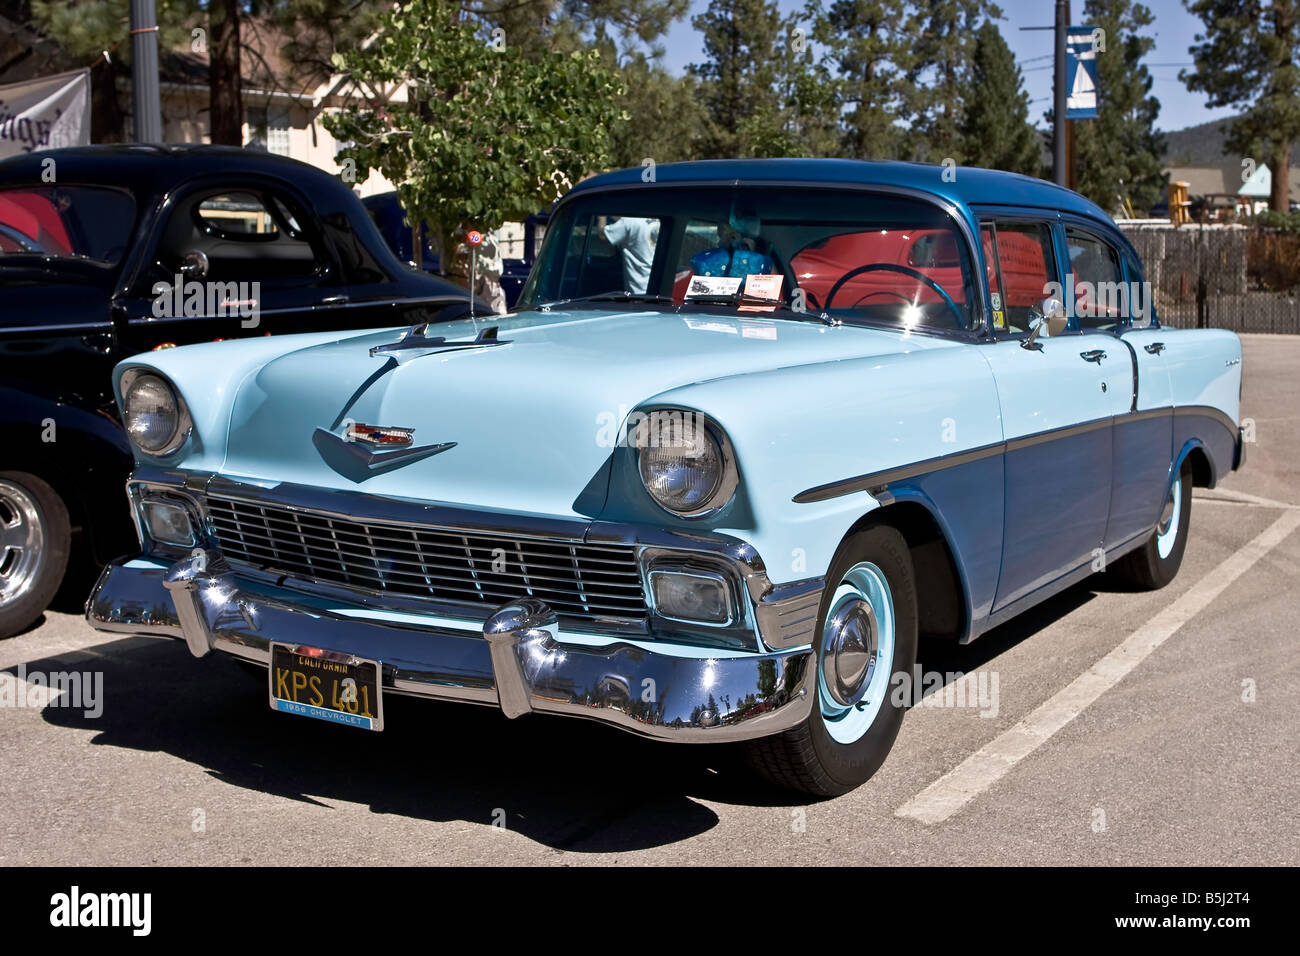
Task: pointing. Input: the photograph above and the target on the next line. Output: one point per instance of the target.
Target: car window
(66, 222)
(1099, 291)
(1019, 254)
(241, 235)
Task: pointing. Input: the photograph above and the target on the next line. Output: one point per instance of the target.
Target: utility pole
(146, 104)
(1060, 163)
(1060, 156)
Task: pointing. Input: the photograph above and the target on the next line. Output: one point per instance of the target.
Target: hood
(524, 425)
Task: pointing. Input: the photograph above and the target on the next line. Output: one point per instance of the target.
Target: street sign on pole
(1082, 46)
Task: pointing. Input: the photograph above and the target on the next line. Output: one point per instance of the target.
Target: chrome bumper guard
(520, 660)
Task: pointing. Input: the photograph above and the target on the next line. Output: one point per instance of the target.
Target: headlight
(156, 418)
(685, 461)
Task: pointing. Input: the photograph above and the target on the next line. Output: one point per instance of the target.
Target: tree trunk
(1280, 167)
(226, 108)
(107, 121)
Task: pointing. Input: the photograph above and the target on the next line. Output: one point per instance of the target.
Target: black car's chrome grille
(577, 580)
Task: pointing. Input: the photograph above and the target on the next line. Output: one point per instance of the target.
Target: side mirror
(1051, 318)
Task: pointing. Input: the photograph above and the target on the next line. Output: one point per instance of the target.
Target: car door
(231, 260)
(1057, 396)
(1143, 445)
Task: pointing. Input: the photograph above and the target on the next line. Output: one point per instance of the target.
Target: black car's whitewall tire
(35, 536)
(867, 634)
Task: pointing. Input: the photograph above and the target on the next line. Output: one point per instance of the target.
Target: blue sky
(1174, 31)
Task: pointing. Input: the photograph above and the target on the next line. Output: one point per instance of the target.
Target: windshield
(858, 256)
(66, 222)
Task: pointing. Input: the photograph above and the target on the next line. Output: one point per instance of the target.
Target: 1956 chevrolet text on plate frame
(327, 685)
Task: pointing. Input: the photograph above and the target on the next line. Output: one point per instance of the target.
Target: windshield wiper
(605, 297)
(741, 298)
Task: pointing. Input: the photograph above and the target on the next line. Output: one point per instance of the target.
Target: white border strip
(990, 763)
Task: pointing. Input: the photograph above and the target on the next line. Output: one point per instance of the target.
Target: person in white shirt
(635, 238)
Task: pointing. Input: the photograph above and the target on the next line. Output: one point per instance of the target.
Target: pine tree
(1118, 155)
(995, 129)
(938, 62)
(1249, 57)
(867, 41)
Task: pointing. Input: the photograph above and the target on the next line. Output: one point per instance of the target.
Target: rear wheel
(868, 632)
(1156, 563)
(35, 537)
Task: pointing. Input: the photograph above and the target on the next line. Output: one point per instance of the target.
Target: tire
(839, 748)
(35, 539)
(1156, 563)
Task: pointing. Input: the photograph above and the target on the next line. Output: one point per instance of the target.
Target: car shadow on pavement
(567, 784)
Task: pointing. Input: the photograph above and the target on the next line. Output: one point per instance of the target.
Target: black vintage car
(106, 252)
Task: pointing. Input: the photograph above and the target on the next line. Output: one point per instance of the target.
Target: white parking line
(990, 763)
(1241, 498)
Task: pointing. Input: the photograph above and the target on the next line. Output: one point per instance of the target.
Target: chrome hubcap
(849, 655)
(857, 653)
(1166, 516)
(22, 541)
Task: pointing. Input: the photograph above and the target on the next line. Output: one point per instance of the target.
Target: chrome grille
(577, 580)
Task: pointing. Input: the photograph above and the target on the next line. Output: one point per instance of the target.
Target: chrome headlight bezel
(724, 490)
(184, 423)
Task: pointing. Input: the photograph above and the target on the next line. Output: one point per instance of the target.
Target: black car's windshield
(854, 255)
(65, 222)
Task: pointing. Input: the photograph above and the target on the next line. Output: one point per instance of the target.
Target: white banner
(45, 113)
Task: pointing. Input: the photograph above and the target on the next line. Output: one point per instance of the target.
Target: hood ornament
(417, 337)
(353, 458)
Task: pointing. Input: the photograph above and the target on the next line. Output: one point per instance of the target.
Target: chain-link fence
(1221, 276)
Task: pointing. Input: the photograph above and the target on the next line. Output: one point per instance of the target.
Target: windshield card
(764, 287)
(712, 285)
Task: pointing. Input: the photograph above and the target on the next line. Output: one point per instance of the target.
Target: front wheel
(35, 537)
(868, 633)
(1156, 563)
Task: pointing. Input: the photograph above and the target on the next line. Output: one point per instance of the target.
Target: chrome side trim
(878, 480)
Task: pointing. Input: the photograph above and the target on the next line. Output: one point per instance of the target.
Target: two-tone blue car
(754, 429)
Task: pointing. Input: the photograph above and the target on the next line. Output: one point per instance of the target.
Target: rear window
(87, 222)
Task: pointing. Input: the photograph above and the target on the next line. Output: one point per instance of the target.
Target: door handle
(334, 300)
(1155, 348)
(1093, 355)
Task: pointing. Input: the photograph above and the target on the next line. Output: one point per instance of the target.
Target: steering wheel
(890, 267)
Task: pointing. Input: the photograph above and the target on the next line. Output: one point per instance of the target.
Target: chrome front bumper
(518, 660)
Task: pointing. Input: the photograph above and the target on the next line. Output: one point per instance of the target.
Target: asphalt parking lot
(1130, 728)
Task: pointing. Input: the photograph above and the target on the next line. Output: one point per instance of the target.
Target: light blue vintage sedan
(754, 429)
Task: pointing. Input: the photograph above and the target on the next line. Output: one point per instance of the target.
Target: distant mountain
(1197, 145)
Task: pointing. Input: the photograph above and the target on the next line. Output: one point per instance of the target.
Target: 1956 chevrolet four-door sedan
(754, 429)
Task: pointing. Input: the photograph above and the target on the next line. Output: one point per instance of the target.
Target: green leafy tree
(1249, 58)
(483, 135)
(995, 131)
(1118, 155)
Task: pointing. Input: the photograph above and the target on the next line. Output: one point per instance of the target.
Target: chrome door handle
(334, 300)
(1093, 355)
(1155, 348)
